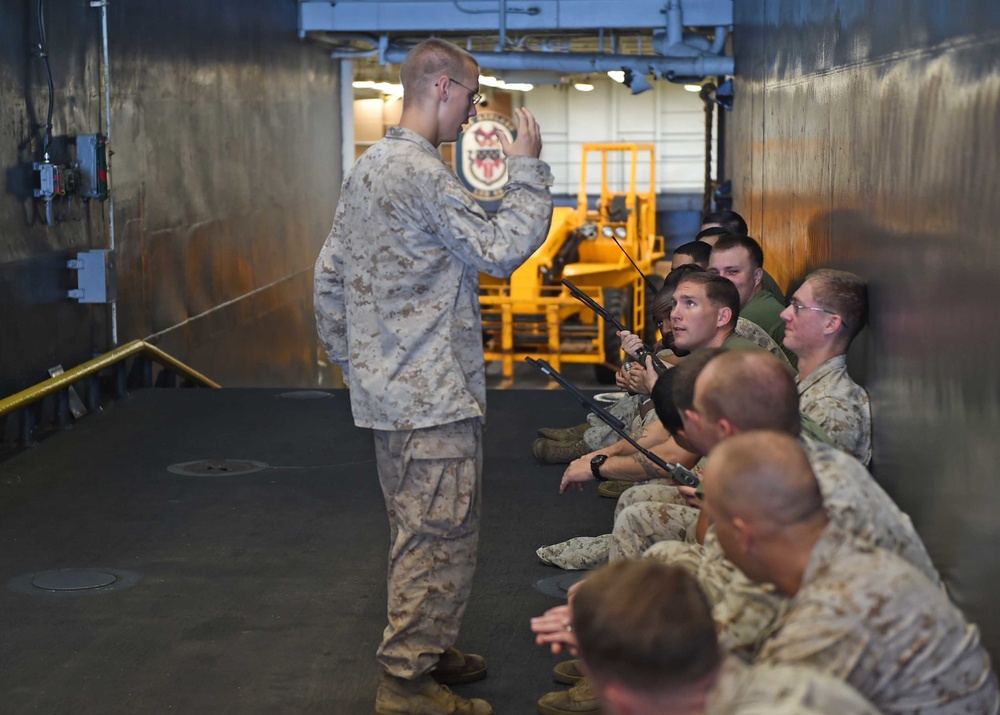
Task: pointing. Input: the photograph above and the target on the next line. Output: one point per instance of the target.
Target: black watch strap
(595, 467)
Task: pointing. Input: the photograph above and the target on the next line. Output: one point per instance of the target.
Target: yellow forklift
(533, 313)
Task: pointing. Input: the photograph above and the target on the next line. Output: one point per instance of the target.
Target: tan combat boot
(548, 451)
(457, 668)
(565, 434)
(578, 700)
(569, 672)
(423, 696)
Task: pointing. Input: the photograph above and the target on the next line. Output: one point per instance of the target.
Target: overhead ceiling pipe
(719, 43)
(584, 62)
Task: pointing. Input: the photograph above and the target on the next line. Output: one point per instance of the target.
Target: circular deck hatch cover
(217, 467)
(305, 395)
(73, 581)
(559, 585)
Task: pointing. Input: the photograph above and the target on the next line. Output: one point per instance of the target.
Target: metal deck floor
(260, 593)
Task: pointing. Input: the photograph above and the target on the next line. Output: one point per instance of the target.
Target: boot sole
(549, 710)
(466, 677)
(565, 678)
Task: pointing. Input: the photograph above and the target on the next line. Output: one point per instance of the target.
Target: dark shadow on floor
(261, 593)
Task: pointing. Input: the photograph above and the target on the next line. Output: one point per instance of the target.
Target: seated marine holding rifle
(563, 445)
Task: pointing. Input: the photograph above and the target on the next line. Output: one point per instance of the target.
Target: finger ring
(569, 628)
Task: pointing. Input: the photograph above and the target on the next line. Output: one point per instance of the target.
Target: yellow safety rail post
(26, 399)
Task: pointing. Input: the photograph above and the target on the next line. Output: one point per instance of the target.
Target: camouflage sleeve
(499, 245)
(816, 638)
(328, 297)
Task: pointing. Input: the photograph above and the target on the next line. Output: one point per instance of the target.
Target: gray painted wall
(226, 166)
(866, 135)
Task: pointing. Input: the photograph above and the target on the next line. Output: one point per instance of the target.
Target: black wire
(510, 11)
(470, 12)
(43, 53)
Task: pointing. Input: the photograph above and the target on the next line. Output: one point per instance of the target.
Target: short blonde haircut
(428, 61)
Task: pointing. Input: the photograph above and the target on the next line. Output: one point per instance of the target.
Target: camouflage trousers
(743, 610)
(637, 529)
(431, 483)
(647, 514)
(628, 410)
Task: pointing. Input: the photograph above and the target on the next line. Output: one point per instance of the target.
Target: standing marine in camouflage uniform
(397, 307)
(856, 612)
(822, 319)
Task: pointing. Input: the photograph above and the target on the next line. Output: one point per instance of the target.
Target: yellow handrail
(63, 381)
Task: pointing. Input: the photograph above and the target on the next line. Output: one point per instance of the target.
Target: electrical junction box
(96, 282)
(92, 163)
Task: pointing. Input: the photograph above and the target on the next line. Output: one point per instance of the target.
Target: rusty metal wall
(866, 135)
(226, 166)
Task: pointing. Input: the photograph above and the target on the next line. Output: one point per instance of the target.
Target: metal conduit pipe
(352, 54)
(503, 26)
(106, 76)
(719, 43)
(675, 31)
(582, 62)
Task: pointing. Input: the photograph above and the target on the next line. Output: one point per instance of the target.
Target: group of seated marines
(787, 581)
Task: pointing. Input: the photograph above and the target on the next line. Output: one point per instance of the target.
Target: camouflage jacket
(741, 689)
(397, 281)
(864, 615)
(855, 502)
(754, 333)
(840, 406)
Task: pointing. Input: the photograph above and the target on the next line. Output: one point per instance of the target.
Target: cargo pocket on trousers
(440, 494)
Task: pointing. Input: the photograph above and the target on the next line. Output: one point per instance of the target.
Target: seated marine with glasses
(822, 319)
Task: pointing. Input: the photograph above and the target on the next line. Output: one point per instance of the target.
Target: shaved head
(687, 372)
(762, 477)
(429, 60)
(752, 389)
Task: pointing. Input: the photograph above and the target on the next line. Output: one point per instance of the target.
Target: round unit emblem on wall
(479, 158)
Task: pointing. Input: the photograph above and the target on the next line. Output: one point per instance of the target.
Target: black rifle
(649, 284)
(680, 474)
(641, 353)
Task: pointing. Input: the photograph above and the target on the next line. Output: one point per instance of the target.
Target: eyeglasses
(798, 306)
(474, 96)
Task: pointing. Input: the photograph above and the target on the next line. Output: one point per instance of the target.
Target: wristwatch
(595, 467)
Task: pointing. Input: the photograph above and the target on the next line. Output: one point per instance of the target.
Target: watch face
(595, 466)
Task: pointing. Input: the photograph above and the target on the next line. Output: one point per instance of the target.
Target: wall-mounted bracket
(96, 282)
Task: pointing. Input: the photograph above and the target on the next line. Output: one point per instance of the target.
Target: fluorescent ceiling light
(584, 87)
(389, 88)
(692, 87)
(497, 83)
(617, 75)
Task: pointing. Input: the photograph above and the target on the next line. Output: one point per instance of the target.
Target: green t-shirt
(771, 286)
(765, 310)
(738, 342)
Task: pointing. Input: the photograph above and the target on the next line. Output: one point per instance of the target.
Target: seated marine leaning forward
(645, 634)
(855, 612)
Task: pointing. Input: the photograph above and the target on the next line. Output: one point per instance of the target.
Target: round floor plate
(559, 585)
(71, 582)
(72, 579)
(217, 467)
(305, 395)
